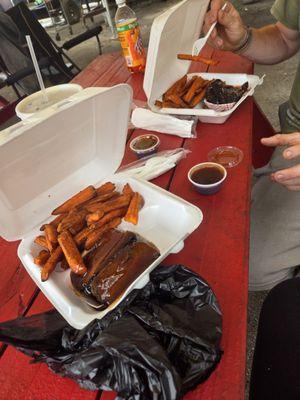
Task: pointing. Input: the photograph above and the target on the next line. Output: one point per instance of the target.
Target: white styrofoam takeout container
(175, 32)
(46, 159)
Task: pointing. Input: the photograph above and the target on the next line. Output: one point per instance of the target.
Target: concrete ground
(275, 90)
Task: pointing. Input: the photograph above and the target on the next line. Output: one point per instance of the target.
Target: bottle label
(131, 42)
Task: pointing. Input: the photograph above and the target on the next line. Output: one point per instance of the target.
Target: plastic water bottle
(130, 37)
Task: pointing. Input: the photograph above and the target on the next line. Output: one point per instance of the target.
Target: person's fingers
(215, 6)
(295, 188)
(282, 139)
(215, 40)
(207, 25)
(212, 15)
(228, 16)
(287, 174)
(292, 152)
(290, 182)
(214, 34)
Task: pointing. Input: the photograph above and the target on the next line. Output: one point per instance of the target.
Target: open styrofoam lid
(56, 153)
(173, 32)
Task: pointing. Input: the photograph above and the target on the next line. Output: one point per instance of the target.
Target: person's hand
(290, 177)
(230, 32)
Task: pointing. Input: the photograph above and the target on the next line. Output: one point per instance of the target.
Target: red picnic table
(217, 250)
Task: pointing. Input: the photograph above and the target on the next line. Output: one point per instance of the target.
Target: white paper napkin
(146, 119)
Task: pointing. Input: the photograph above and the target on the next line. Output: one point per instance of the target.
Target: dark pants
(282, 114)
(276, 363)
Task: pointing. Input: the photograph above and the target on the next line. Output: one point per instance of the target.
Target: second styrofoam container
(175, 32)
(46, 159)
(212, 116)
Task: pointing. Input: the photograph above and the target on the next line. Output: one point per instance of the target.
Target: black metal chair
(51, 57)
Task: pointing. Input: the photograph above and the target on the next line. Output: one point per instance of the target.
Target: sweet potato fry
(73, 219)
(105, 188)
(41, 258)
(102, 198)
(71, 253)
(169, 104)
(196, 100)
(55, 222)
(188, 85)
(79, 198)
(158, 104)
(94, 207)
(94, 217)
(96, 234)
(174, 98)
(120, 202)
(192, 90)
(41, 241)
(132, 214)
(77, 227)
(51, 236)
(119, 213)
(204, 85)
(51, 263)
(205, 61)
(176, 87)
(127, 190)
(81, 236)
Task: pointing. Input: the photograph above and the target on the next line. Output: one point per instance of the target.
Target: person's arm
(290, 177)
(268, 45)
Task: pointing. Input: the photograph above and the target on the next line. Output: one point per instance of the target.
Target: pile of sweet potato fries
(80, 223)
(185, 93)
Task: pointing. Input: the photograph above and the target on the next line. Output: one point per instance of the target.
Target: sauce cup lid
(228, 156)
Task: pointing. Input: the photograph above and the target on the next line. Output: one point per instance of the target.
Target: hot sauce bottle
(130, 37)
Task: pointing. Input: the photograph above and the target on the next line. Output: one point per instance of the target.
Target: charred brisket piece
(96, 259)
(121, 271)
(111, 242)
(218, 92)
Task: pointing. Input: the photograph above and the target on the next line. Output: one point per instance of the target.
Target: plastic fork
(200, 43)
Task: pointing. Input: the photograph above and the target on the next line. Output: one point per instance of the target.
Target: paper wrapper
(149, 120)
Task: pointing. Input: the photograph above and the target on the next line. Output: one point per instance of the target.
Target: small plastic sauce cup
(144, 145)
(208, 177)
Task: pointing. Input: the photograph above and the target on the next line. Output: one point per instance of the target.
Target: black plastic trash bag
(160, 342)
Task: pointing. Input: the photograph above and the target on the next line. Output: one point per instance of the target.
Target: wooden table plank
(16, 290)
(222, 248)
(21, 380)
(96, 68)
(222, 240)
(35, 382)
